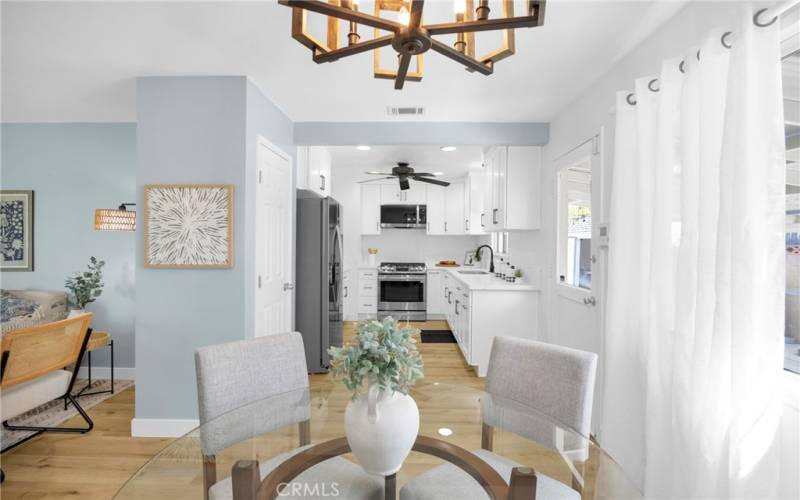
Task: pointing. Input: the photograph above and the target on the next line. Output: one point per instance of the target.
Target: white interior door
(273, 243)
(576, 319)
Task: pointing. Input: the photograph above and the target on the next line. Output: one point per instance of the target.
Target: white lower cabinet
(434, 300)
(476, 316)
(367, 293)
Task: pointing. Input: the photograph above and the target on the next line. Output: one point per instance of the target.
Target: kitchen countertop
(479, 282)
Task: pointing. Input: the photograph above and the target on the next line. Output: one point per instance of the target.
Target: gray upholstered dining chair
(556, 382)
(250, 387)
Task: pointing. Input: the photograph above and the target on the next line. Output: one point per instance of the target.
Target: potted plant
(85, 287)
(381, 419)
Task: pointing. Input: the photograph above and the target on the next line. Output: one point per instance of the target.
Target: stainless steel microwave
(404, 216)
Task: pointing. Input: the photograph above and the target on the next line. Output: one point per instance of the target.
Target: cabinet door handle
(457, 313)
(494, 215)
(445, 226)
(445, 292)
(345, 291)
(483, 214)
(466, 225)
(322, 182)
(449, 297)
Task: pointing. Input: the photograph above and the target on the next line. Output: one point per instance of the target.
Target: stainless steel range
(401, 290)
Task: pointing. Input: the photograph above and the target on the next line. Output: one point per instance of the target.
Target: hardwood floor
(95, 465)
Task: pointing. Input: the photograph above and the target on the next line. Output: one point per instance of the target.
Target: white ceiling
(452, 164)
(76, 61)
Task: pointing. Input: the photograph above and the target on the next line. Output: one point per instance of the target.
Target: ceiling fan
(403, 172)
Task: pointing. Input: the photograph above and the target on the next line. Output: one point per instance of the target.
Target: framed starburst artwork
(188, 226)
(16, 230)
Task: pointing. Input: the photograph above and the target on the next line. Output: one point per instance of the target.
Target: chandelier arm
(486, 25)
(350, 50)
(329, 9)
(415, 18)
(457, 56)
(402, 71)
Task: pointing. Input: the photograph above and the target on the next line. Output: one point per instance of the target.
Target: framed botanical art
(16, 230)
(188, 226)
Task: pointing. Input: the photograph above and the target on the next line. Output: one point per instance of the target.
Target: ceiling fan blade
(372, 172)
(404, 183)
(424, 174)
(373, 180)
(430, 181)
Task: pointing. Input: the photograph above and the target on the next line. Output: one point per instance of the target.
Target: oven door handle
(400, 277)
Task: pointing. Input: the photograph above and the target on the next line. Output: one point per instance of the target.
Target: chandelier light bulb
(403, 17)
(354, 3)
(460, 6)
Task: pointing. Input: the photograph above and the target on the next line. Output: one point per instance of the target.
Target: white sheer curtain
(694, 321)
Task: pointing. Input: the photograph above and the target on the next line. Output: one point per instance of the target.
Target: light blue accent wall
(74, 168)
(421, 133)
(196, 130)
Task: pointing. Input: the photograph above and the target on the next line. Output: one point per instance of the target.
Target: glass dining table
(469, 445)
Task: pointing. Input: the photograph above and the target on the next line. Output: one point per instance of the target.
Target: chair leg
(81, 411)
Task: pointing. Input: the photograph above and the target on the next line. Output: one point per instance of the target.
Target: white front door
(576, 319)
(273, 243)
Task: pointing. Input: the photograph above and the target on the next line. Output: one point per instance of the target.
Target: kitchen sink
(472, 271)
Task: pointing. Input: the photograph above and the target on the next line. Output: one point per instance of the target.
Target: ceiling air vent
(405, 110)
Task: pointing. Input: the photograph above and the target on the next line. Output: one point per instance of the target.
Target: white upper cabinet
(370, 209)
(436, 210)
(512, 201)
(314, 169)
(473, 203)
(455, 220)
(391, 194)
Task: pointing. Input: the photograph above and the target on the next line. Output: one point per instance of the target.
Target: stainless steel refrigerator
(318, 288)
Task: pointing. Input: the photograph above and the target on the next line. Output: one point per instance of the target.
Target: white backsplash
(414, 245)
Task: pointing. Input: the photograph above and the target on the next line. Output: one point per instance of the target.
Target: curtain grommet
(631, 99)
(650, 85)
(724, 37)
(759, 23)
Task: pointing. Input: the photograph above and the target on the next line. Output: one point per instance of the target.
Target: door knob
(591, 301)
(288, 286)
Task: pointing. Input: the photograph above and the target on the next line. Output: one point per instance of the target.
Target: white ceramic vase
(381, 428)
(75, 312)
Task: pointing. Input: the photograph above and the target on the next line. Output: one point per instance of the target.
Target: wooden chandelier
(408, 36)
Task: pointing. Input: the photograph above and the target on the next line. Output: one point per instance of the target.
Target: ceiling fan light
(363, 147)
(437, 174)
(447, 149)
(459, 6)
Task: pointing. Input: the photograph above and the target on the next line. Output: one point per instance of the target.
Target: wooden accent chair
(553, 381)
(40, 364)
(251, 387)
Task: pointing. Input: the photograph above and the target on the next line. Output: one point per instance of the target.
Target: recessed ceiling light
(363, 148)
(438, 173)
(448, 148)
(444, 431)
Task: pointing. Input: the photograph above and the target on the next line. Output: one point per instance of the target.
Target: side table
(97, 340)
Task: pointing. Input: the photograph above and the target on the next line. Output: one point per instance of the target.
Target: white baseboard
(120, 373)
(162, 427)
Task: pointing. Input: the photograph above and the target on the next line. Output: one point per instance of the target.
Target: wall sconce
(115, 219)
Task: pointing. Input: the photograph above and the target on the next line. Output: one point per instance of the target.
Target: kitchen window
(575, 225)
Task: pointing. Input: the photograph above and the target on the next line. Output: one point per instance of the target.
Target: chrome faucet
(491, 256)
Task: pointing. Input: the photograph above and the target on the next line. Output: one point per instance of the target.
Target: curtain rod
(762, 18)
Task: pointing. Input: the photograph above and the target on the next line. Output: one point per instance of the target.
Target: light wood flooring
(98, 464)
